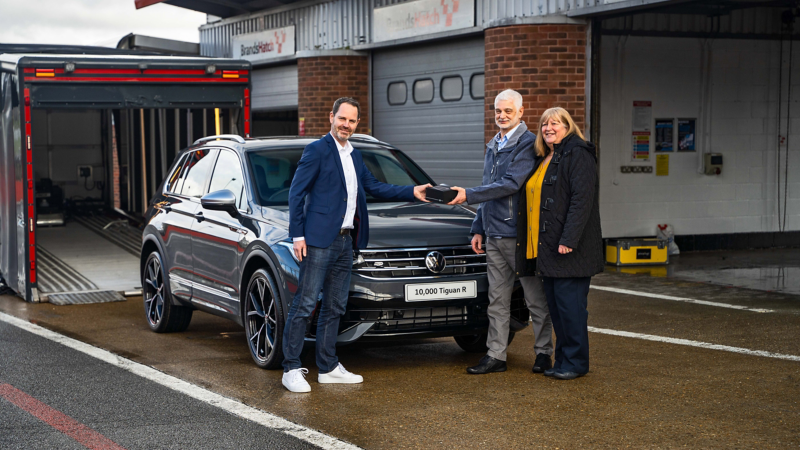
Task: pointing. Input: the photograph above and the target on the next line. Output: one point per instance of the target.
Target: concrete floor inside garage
(638, 393)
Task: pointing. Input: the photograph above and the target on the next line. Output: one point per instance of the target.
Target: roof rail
(365, 136)
(228, 137)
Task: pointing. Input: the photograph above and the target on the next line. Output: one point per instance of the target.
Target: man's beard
(507, 126)
(343, 135)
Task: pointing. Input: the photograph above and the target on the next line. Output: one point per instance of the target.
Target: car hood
(393, 225)
(401, 224)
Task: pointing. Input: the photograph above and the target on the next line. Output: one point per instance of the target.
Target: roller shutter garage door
(275, 88)
(428, 101)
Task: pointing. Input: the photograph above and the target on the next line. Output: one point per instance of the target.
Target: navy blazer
(319, 182)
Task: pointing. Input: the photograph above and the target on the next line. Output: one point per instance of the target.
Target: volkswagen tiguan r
(216, 240)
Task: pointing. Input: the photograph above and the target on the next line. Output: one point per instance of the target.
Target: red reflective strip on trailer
(108, 71)
(30, 171)
(33, 273)
(30, 154)
(30, 211)
(174, 72)
(247, 112)
(28, 129)
(139, 80)
(28, 70)
(246, 121)
(27, 111)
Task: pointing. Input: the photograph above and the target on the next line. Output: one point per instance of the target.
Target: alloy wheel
(153, 292)
(262, 320)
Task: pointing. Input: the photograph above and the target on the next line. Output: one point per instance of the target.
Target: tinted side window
(196, 171)
(228, 175)
(174, 182)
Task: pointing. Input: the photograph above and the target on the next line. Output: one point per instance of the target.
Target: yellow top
(533, 189)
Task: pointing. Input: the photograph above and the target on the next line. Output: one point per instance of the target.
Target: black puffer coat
(569, 215)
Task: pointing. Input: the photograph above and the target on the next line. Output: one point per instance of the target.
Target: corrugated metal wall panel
(345, 23)
(275, 88)
(444, 138)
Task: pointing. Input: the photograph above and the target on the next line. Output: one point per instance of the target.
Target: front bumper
(377, 310)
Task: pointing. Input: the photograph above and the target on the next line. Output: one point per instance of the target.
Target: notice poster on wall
(662, 165)
(640, 124)
(664, 135)
(686, 135)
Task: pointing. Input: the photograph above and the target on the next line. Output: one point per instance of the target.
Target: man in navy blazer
(328, 215)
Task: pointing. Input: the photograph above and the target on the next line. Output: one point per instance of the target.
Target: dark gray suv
(216, 240)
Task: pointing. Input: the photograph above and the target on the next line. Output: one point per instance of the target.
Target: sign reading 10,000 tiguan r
(264, 45)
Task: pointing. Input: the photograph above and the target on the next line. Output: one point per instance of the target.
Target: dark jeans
(567, 299)
(326, 270)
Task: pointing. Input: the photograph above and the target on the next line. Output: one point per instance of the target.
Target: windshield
(273, 171)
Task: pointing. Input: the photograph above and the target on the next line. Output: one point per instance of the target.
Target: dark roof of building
(224, 9)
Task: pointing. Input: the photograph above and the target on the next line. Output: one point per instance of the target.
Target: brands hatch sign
(264, 45)
(421, 17)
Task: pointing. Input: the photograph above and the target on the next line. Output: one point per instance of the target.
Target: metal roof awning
(619, 6)
(221, 8)
(707, 8)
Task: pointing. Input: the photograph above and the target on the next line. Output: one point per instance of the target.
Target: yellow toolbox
(636, 252)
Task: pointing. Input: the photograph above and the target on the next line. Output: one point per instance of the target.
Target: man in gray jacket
(508, 162)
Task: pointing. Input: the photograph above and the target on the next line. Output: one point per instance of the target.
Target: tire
(162, 315)
(263, 320)
(476, 343)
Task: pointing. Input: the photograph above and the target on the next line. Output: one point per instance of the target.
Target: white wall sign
(421, 17)
(264, 45)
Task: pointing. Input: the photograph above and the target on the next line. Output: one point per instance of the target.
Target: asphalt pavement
(54, 397)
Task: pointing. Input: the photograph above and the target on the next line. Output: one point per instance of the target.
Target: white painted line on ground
(680, 299)
(668, 340)
(232, 406)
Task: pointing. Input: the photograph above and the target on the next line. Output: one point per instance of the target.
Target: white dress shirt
(350, 180)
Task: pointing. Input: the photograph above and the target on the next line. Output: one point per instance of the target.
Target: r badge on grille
(435, 262)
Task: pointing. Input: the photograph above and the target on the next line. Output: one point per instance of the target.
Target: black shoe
(550, 372)
(567, 375)
(487, 364)
(542, 363)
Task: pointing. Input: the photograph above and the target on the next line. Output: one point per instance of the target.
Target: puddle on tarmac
(775, 270)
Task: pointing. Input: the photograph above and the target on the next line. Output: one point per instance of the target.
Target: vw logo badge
(435, 262)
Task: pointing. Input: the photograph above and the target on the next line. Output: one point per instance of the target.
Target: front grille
(388, 320)
(410, 262)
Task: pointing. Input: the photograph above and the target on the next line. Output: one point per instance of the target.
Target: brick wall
(323, 79)
(544, 63)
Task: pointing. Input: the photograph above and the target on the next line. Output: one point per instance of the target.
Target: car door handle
(199, 216)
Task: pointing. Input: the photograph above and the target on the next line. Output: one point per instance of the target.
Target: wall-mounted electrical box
(712, 164)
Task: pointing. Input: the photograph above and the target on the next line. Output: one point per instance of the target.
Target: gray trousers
(500, 262)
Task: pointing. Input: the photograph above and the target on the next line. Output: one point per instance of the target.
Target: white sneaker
(340, 375)
(295, 380)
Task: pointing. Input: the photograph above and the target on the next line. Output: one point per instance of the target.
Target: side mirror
(222, 200)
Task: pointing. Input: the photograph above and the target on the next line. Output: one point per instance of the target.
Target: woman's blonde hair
(561, 115)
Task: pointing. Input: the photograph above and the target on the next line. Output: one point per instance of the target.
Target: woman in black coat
(561, 201)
